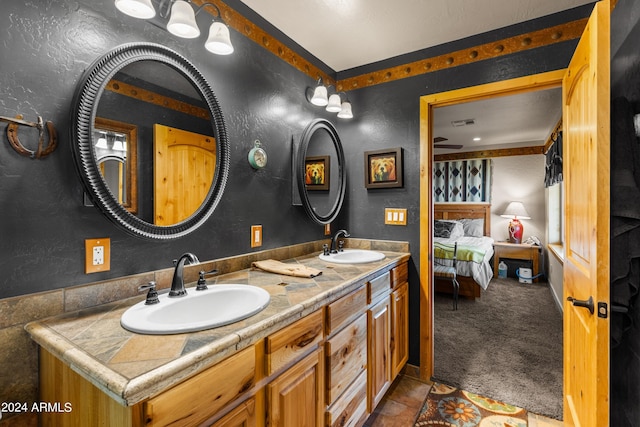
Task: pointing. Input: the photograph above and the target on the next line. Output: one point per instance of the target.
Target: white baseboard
(556, 298)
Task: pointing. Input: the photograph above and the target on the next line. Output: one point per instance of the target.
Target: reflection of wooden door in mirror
(123, 179)
(184, 166)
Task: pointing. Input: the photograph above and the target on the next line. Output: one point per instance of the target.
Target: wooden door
(379, 362)
(399, 329)
(296, 398)
(184, 167)
(242, 416)
(586, 101)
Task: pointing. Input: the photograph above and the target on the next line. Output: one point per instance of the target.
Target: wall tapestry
(462, 181)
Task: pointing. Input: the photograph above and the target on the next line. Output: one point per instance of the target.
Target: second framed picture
(383, 168)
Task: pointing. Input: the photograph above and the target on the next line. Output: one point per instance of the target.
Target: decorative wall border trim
(482, 154)
(559, 33)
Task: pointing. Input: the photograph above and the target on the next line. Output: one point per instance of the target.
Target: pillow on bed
(448, 229)
(473, 227)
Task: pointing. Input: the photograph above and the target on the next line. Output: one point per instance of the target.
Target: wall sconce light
(334, 103)
(182, 21)
(515, 211)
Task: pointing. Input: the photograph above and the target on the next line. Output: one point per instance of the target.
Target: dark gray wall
(625, 82)
(43, 223)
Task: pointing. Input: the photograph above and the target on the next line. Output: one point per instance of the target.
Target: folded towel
(297, 270)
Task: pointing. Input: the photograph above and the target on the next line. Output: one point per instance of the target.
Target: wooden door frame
(548, 80)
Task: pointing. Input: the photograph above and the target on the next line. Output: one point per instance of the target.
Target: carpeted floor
(449, 406)
(506, 345)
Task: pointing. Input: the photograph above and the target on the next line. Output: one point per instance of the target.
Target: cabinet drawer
(346, 357)
(378, 286)
(350, 409)
(345, 309)
(399, 275)
(200, 397)
(293, 341)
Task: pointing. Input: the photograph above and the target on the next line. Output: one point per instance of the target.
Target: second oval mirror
(321, 177)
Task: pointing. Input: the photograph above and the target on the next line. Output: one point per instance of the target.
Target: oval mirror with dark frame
(140, 112)
(320, 171)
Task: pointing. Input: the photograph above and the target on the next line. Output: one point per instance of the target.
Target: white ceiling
(349, 33)
(524, 120)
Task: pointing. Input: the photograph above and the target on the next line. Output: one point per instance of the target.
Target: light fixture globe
(334, 104)
(142, 9)
(219, 41)
(319, 96)
(345, 111)
(183, 21)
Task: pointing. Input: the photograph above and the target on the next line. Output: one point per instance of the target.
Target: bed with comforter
(467, 225)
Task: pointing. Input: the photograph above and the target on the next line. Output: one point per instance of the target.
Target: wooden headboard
(464, 210)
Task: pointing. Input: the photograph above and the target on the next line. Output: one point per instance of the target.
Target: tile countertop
(132, 367)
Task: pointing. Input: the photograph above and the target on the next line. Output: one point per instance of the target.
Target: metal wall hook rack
(42, 151)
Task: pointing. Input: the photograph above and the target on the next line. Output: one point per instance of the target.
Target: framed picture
(317, 172)
(383, 168)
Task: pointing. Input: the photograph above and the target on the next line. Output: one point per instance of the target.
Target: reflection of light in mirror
(102, 141)
(118, 145)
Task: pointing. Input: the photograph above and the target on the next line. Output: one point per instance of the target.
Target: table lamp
(515, 211)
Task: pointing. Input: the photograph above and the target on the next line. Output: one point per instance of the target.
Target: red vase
(515, 231)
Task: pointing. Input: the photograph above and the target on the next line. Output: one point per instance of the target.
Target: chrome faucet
(334, 240)
(177, 285)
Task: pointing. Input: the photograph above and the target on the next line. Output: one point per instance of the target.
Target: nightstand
(520, 251)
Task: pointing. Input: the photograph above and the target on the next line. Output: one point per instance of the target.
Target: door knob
(582, 303)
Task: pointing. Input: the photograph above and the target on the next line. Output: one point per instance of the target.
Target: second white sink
(198, 310)
(353, 256)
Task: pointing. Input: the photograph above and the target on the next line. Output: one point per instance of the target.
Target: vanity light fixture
(102, 141)
(334, 103)
(182, 21)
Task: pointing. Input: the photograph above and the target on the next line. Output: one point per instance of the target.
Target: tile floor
(401, 404)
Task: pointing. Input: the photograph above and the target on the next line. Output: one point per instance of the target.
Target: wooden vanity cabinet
(329, 368)
(399, 318)
(346, 360)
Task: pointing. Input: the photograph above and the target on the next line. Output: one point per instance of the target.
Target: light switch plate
(97, 255)
(256, 236)
(395, 216)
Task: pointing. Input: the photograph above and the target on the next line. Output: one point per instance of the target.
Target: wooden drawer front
(242, 416)
(345, 309)
(200, 397)
(294, 341)
(378, 286)
(346, 357)
(399, 275)
(350, 410)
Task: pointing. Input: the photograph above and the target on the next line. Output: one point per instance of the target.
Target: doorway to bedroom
(506, 344)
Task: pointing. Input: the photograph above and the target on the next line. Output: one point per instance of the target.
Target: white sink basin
(198, 310)
(353, 256)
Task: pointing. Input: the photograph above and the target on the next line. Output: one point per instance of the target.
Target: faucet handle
(340, 245)
(152, 295)
(202, 283)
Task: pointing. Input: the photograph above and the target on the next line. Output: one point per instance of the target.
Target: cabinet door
(242, 416)
(399, 328)
(346, 357)
(379, 362)
(295, 398)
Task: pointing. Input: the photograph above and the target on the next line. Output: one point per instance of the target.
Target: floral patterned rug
(451, 407)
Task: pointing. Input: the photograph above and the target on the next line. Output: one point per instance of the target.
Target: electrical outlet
(97, 255)
(327, 229)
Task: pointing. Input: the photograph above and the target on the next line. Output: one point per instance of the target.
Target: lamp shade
(320, 96)
(183, 21)
(516, 210)
(142, 9)
(345, 111)
(219, 41)
(334, 104)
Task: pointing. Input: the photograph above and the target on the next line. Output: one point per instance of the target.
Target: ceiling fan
(439, 139)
